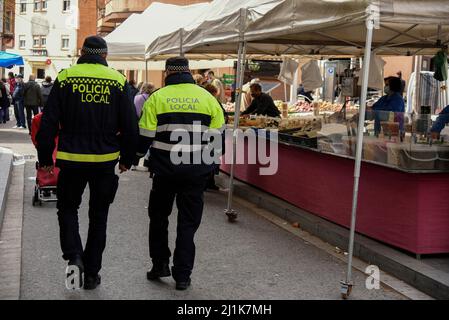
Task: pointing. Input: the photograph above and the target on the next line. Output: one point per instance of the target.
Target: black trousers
(103, 186)
(31, 111)
(188, 193)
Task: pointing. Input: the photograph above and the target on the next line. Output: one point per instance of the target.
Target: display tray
(286, 136)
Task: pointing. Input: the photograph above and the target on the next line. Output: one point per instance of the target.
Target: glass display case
(399, 140)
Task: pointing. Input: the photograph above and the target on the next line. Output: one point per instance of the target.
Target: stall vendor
(392, 101)
(440, 123)
(262, 103)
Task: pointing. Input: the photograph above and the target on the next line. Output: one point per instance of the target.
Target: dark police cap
(95, 45)
(179, 64)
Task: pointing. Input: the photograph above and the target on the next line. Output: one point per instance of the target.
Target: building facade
(7, 15)
(49, 34)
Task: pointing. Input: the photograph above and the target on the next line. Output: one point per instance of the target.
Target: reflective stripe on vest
(78, 157)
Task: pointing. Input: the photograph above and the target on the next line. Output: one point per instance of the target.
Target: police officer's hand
(122, 168)
(48, 169)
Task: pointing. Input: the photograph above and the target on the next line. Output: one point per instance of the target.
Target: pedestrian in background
(94, 135)
(46, 87)
(166, 112)
(32, 99)
(146, 90)
(4, 103)
(133, 89)
(11, 82)
(8, 93)
(18, 100)
(139, 87)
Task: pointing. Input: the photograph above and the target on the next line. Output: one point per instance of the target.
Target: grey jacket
(32, 94)
(45, 90)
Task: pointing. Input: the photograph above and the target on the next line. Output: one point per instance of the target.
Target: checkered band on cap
(177, 68)
(95, 50)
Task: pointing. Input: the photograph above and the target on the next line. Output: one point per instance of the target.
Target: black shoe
(159, 271)
(91, 282)
(77, 261)
(213, 187)
(183, 285)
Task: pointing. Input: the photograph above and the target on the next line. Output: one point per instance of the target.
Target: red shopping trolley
(45, 189)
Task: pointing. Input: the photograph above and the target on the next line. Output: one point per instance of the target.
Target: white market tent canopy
(128, 42)
(298, 27)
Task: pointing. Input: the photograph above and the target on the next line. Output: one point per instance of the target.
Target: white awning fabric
(323, 27)
(130, 39)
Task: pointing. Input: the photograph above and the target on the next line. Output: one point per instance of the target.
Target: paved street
(251, 259)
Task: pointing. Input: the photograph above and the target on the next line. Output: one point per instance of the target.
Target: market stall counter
(406, 207)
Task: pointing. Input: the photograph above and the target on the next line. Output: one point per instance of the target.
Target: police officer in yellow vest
(180, 122)
(90, 110)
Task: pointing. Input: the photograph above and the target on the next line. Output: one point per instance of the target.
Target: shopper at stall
(392, 101)
(440, 123)
(301, 91)
(211, 79)
(199, 79)
(262, 103)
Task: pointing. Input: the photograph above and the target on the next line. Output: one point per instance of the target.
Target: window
(22, 70)
(22, 42)
(65, 42)
(37, 5)
(36, 42)
(39, 41)
(40, 5)
(65, 5)
(8, 19)
(23, 6)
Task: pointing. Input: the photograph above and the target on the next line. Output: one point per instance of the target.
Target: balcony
(116, 11)
(39, 52)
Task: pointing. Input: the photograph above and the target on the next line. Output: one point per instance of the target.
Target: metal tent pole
(232, 214)
(447, 92)
(146, 70)
(293, 88)
(417, 84)
(181, 45)
(346, 286)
